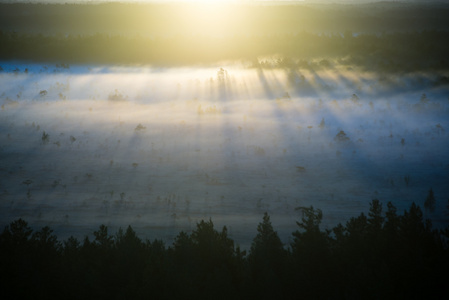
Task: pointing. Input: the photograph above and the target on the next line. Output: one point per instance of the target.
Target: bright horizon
(222, 1)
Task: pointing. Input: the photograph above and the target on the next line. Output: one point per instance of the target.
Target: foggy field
(162, 148)
(224, 149)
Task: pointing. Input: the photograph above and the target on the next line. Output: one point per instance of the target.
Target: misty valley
(163, 148)
(224, 149)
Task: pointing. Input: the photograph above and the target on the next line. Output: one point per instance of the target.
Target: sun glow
(213, 18)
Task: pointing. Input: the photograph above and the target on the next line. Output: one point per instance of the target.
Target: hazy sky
(224, 1)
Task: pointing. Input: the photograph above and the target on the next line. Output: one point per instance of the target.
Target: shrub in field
(45, 138)
(355, 99)
(116, 96)
(439, 129)
(222, 75)
(341, 137)
(322, 124)
(424, 99)
(407, 179)
(140, 127)
(212, 109)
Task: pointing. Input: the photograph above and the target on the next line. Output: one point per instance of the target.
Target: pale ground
(161, 149)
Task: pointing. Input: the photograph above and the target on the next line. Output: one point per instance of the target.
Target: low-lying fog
(161, 149)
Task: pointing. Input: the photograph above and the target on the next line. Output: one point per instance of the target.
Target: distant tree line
(382, 255)
(398, 52)
(385, 36)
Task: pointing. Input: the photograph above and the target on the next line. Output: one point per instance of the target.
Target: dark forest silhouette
(380, 37)
(382, 255)
(395, 52)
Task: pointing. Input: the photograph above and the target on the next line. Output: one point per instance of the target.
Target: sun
(208, 18)
(208, 1)
(204, 2)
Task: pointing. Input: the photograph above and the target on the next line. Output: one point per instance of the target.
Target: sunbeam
(164, 148)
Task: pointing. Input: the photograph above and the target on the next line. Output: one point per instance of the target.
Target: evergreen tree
(371, 257)
(208, 262)
(129, 264)
(311, 254)
(267, 261)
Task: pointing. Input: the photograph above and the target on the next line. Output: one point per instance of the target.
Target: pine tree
(267, 261)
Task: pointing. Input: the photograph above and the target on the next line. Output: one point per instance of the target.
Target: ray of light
(168, 147)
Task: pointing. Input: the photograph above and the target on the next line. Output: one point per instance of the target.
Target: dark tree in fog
(267, 261)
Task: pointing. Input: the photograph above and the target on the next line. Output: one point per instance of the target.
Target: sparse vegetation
(322, 124)
(407, 179)
(117, 96)
(341, 137)
(45, 138)
(140, 127)
(355, 99)
(27, 182)
(210, 110)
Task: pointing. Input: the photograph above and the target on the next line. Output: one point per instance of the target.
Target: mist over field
(161, 115)
(224, 150)
(161, 149)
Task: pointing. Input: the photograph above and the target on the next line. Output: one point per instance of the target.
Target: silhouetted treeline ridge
(381, 255)
(388, 52)
(387, 36)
